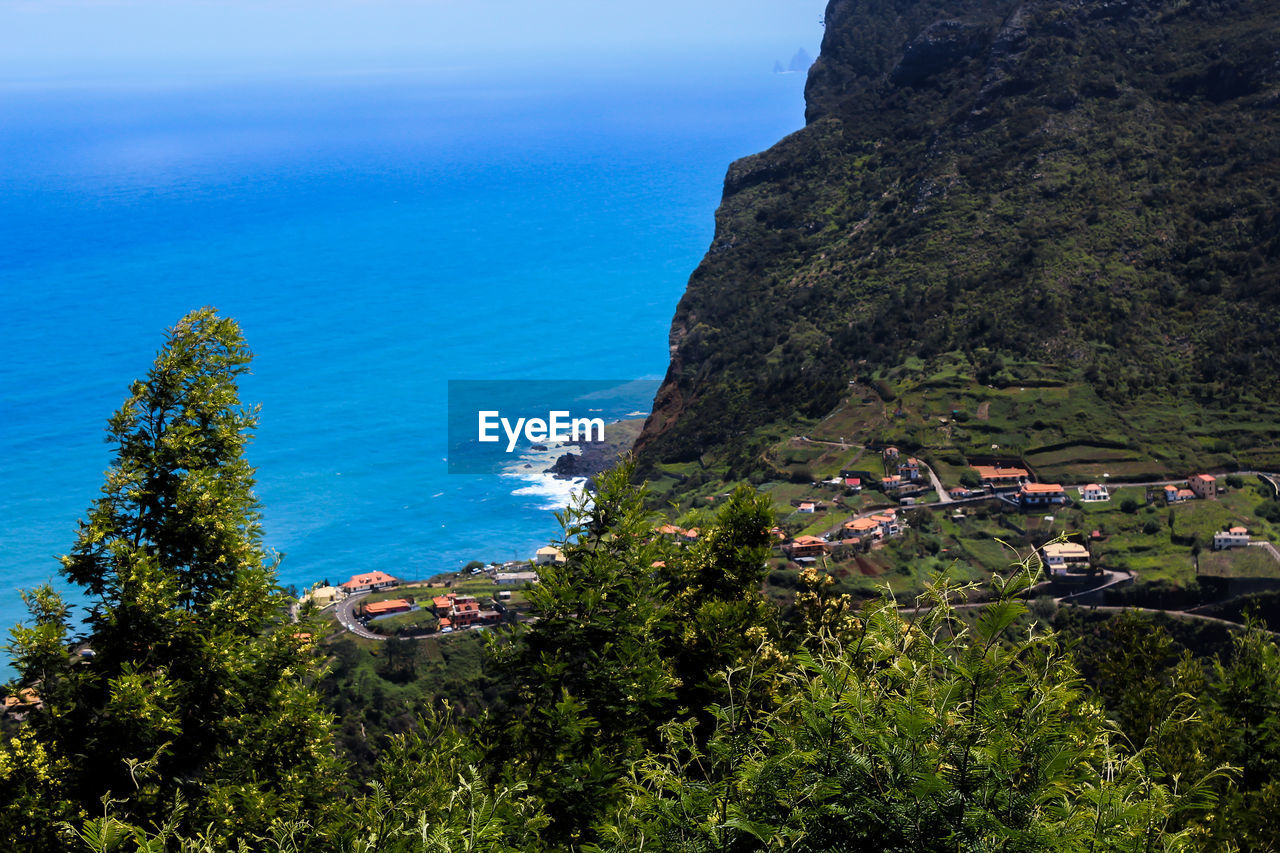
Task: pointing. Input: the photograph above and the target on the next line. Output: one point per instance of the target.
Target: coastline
(593, 457)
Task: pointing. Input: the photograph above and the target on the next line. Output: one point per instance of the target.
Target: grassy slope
(1078, 206)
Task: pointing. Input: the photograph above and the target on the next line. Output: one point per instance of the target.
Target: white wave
(553, 493)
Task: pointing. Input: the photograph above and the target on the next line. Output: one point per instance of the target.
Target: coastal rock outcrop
(1088, 185)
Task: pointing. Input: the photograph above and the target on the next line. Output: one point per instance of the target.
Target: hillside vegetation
(1071, 196)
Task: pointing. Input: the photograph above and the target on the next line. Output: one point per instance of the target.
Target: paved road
(943, 496)
(345, 609)
(1268, 547)
(1175, 614)
(1111, 578)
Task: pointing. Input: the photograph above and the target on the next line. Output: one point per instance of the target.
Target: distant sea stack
(799, 62)
(1089, 186)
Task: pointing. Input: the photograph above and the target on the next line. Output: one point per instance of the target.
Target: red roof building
(1000, 477)
(369, 580)
(1042, 494)
(1204, 485)
(383, 608)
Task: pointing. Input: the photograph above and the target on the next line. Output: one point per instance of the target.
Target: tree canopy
(193, 690)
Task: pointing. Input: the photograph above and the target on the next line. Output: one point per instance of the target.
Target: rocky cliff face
(1086, 183)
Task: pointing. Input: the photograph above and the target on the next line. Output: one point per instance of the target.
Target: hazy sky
(71, 36)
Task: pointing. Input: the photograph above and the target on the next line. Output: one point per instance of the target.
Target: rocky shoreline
(594, 457)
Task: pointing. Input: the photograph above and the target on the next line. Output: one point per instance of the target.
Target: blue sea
(376, 235)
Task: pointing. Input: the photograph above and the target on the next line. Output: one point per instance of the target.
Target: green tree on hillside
(197, 699)
(632, 631)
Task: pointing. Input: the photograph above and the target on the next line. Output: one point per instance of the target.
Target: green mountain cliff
(1045, 191)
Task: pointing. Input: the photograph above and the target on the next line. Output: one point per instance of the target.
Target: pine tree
(198, 688)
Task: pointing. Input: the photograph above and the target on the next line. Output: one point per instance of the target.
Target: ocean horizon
(375, 236)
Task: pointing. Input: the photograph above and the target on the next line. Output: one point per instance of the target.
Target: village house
(324, 596)
(370, 581)
(862, 528)
(1000, 478)
(547, 554)
(889, 454)
(679, 533)
(385, 608)
(806, 546)
(854, 483)
(888, 521)
(515, 578)
(1204, 485)
(1042, 494)
(958, 492)
(1062, 557)
(1093, 493)
(891, 482)
(805, 506)
(1173, 495)
(461, 611)
(18, 705)
(909, 470)
(1236, 537)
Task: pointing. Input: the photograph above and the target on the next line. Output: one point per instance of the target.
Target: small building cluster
(863, 532)
(680, 534)
(873, 528)
(1199, 486)
(461, 611)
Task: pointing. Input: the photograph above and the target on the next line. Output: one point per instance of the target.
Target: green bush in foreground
(659, 701)
(877, 730)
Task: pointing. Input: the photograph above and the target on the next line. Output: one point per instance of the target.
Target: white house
(1094, 492)
(515, 578)
(548, 554)
(1236, 537)
(1059, 557)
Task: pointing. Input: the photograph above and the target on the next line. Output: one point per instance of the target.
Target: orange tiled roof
(1041, 488)
(379, 607)
(990, 472)
(369, 579)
